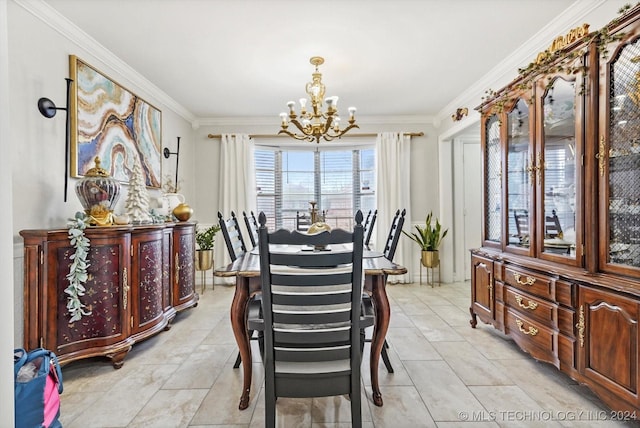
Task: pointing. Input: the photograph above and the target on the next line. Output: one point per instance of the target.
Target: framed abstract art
(109, 121)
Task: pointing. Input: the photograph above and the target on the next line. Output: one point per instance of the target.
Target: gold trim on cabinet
(580, 326)
(601, 155)
(532, 330)
(528, 281)
(125, 289)
(540, 168)
(531, 305)
(177, 263)
(532, 170)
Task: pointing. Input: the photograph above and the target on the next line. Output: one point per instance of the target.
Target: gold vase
(204, 259)
(183, 212)
(430, 259)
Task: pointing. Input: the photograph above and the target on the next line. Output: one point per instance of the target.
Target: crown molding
(73, 33)
(507, 70)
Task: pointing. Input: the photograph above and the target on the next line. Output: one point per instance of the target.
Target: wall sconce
(459, 114)
(168, 153)
(48, 109)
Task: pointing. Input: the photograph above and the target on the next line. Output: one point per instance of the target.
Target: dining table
(246, 270)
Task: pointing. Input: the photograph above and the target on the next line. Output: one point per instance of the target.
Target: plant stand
(203, 276)
(432, 282)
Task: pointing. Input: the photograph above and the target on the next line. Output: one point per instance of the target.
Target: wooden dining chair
(312, 318)
(232, 236)
(368, 227)
(252, 227)
(235, 245)
(389, 252)
(394, 235)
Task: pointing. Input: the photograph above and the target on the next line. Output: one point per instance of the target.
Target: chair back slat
(252, 227)
(368, 227)
(232, 236)
(394, 235)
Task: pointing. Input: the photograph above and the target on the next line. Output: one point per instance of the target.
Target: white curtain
(393, 158)
(237, 187)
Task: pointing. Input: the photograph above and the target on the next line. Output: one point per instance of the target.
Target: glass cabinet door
(622, 171)
(520, 173)
(493, 181)
(557, 171)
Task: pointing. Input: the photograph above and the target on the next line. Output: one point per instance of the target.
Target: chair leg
(385, 357)
(238, 361)
(356, 410)
(270, 411)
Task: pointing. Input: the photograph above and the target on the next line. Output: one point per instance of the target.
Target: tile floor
(446, 375)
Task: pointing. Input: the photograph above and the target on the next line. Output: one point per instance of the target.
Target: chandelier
(316, 124)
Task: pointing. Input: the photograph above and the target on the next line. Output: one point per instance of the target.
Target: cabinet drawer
(531, 306)
(535, 284)
(566, 321)
(565, 293)
(533, 337)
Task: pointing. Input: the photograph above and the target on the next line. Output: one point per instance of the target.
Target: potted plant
(429, 239)
(204, 253)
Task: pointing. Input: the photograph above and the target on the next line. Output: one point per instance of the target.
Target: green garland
(77, 275)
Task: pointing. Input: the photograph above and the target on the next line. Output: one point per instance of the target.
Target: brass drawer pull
(532, 330)
(125, 289)
(528, 281)
(531, 305)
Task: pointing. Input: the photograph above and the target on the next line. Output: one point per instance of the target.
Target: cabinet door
(559, 144)
(147, 285)
(608, 338)
(106, 296)
(619, 157)
(519, 180)
(184, 291)
(482, 291)
(492, 178)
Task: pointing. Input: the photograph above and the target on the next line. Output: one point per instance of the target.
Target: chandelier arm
(299, 126)
(296, 136)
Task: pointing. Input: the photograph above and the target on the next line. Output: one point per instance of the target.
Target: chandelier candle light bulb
(316, 124)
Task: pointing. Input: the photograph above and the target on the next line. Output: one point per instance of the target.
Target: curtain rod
(410, 134)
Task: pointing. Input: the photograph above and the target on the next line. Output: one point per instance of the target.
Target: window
(341, 181)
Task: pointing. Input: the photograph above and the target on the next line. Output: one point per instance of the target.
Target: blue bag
(38, 385)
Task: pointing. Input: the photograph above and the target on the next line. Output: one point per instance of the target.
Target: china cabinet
(138, 278)
(559, 266)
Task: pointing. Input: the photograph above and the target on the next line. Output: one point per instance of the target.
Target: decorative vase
(183, 212)
(98, 194)
(430, 259)
(204, 259)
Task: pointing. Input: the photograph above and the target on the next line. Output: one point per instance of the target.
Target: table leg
(238, 309)
(383, 315)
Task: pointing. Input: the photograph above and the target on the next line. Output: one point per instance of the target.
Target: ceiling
(247, 58)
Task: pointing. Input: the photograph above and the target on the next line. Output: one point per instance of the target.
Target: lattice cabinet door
(492, 172)
(618, 155)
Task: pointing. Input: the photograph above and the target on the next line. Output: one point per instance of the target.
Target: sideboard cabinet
(138, 278)
(559, 266)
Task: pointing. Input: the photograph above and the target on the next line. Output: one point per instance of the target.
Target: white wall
(6, 225)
